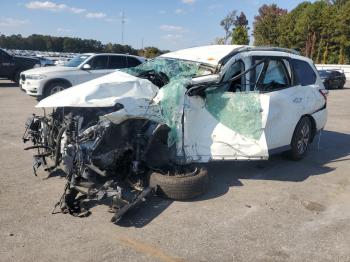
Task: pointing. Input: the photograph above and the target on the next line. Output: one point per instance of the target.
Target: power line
(123, 23)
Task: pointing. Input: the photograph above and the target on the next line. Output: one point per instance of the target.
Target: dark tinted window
(132, 62)
(304, 73)
(117, 62)
(324, 73)
(99, 63)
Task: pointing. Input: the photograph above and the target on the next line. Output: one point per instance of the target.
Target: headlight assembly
(35, 77)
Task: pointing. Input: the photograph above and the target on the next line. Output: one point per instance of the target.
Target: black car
(332, 79)
(12, 66)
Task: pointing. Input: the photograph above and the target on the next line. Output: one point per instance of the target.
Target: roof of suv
(215, 54)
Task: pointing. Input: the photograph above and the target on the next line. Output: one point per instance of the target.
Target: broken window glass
(173, 68)
(239, 111)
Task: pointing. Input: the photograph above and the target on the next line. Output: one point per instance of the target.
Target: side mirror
(86, 67)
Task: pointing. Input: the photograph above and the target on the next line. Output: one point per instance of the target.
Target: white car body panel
(103, 92)
(204, 54)
(202, 136)
(215, 141)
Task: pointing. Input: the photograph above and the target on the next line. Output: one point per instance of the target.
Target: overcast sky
(167, 24)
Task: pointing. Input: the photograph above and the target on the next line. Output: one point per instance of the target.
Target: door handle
(297, 100)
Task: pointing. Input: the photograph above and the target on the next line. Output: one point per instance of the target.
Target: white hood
(103, 92)
(49, 69)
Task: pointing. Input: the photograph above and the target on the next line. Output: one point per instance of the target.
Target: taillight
(324, 93)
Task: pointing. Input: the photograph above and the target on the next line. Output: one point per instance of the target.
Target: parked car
(11, 66)
(151, 128)
(333, 79)
(45, 81)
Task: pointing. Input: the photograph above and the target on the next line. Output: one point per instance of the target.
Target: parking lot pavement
(275, 210)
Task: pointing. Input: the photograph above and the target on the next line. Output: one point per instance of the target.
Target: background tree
(228, 24)
(319, 30)
(240, 34)
(69, 44)
(265, 26)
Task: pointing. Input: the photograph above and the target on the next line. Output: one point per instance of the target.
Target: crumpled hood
(105, 91)
(49, 69)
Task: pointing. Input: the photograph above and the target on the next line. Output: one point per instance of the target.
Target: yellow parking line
(148, 249)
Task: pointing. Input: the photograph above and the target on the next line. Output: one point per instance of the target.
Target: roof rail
(256, 48)
(267, 48)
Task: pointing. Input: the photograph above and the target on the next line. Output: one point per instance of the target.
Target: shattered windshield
(172, 68)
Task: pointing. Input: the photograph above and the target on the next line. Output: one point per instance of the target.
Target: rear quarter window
(118, 62)
(304, 73)
(132, 62)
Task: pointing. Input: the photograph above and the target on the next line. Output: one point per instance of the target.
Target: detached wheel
(190, 183)
(301, 139)
(54, 88)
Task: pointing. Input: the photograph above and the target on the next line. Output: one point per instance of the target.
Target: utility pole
(123, 22)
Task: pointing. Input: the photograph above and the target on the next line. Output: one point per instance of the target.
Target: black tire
(341, 86)
(302, 137)
(181, 187)
(16, 76)
(54, 87)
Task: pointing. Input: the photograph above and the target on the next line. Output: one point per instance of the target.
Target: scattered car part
(184, 185)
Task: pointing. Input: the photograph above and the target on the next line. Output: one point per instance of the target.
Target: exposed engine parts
(101, 160)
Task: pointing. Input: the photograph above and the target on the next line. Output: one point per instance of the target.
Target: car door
(275, 81)
(339, 79)
(287, 83)
(117, 62)
(224, 123)
(7, 64)
(98, 67)
(333, 79)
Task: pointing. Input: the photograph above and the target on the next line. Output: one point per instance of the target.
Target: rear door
(117, 62)
(276, 80)
(293, 95)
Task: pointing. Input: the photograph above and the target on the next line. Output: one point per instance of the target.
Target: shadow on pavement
(56, 173)
(8, 85)
(145, 213)
(332, 147)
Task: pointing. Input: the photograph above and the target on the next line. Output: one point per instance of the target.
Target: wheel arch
(313, 125)
(56, 80)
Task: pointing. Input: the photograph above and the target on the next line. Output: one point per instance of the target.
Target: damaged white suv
(150, 128)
